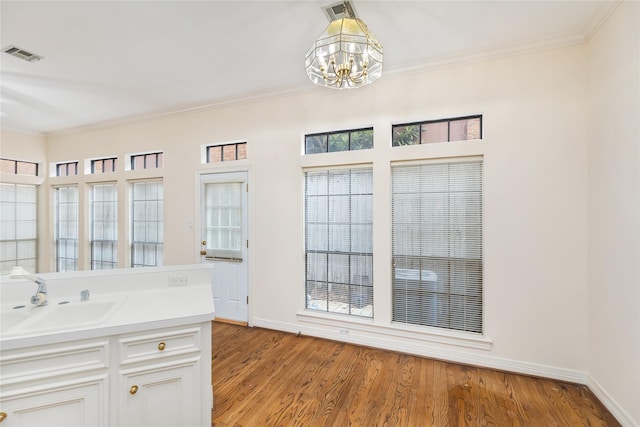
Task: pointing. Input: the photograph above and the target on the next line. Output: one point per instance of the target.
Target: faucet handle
(39, 299)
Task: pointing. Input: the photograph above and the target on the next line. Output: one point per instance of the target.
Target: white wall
(614, 210)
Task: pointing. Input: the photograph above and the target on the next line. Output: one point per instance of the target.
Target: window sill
(412, 332)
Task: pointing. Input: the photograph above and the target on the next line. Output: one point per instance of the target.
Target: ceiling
(108, 61)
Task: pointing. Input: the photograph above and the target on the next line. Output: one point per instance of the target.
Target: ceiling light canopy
(346, 55)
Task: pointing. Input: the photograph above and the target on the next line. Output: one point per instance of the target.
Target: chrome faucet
(40, 298)
(84, 295)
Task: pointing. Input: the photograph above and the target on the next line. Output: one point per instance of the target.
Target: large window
(18, 226)
(147, 224)
(104, 226)
(66, 228)
(338, 241)
(437, 245)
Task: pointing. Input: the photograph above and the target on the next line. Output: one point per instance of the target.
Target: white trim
(394, 342)
(410, 332)
(616, 409)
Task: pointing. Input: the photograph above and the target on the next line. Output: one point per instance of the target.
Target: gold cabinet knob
(203, 252)
(133, 389)
(3, 415)
(204, 243)
(162, 346)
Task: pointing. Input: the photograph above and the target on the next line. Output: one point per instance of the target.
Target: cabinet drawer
(159, 344)
(43, 362)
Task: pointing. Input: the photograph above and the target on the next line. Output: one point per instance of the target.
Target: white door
(224, 242)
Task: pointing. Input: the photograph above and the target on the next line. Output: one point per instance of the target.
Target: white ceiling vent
(337, 11)
(22, 54)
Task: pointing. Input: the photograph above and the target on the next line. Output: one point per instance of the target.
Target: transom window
(339, 241)
(347, 140)
(18, 167)
(67, 169)
(445, 130)
(103, 165)
(226, 152)
(146, 161)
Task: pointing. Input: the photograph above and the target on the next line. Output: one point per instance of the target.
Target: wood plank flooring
(269, 378)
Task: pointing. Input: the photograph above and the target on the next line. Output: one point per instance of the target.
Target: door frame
(197, 224)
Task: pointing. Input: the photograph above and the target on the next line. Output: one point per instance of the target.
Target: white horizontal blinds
(223, 225)
(104, 226)
(18, 226)
(147, 234)
(338, 241)
(66, 228)
(437, 245)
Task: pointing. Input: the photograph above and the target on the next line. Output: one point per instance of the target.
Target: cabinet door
(162, 397)
(67, 405)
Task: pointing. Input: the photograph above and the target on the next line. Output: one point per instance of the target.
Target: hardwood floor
(269, 378)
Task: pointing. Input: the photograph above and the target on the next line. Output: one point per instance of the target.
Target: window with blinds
(147, 224)
(18, 227)
(66, 228)
(104, 226)
(339, 241)
(437, 245)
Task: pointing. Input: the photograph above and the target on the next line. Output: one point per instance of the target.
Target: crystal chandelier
(346, 55)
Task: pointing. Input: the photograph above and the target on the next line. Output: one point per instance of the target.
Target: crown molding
(464, 58)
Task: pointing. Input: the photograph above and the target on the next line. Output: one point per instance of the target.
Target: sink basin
(11, 317)
(75, 314)
(57, 317)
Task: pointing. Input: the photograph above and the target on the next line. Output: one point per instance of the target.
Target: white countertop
(137, 300)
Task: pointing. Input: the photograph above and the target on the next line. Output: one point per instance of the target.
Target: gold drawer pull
(3, 415)
(162, 346)
(133, 389)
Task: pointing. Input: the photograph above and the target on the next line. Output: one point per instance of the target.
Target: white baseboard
(370, 339)
(616, 410)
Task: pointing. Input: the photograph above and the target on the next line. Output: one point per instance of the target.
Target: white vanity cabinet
(159, 377)
(56, 385)
(136, 353)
